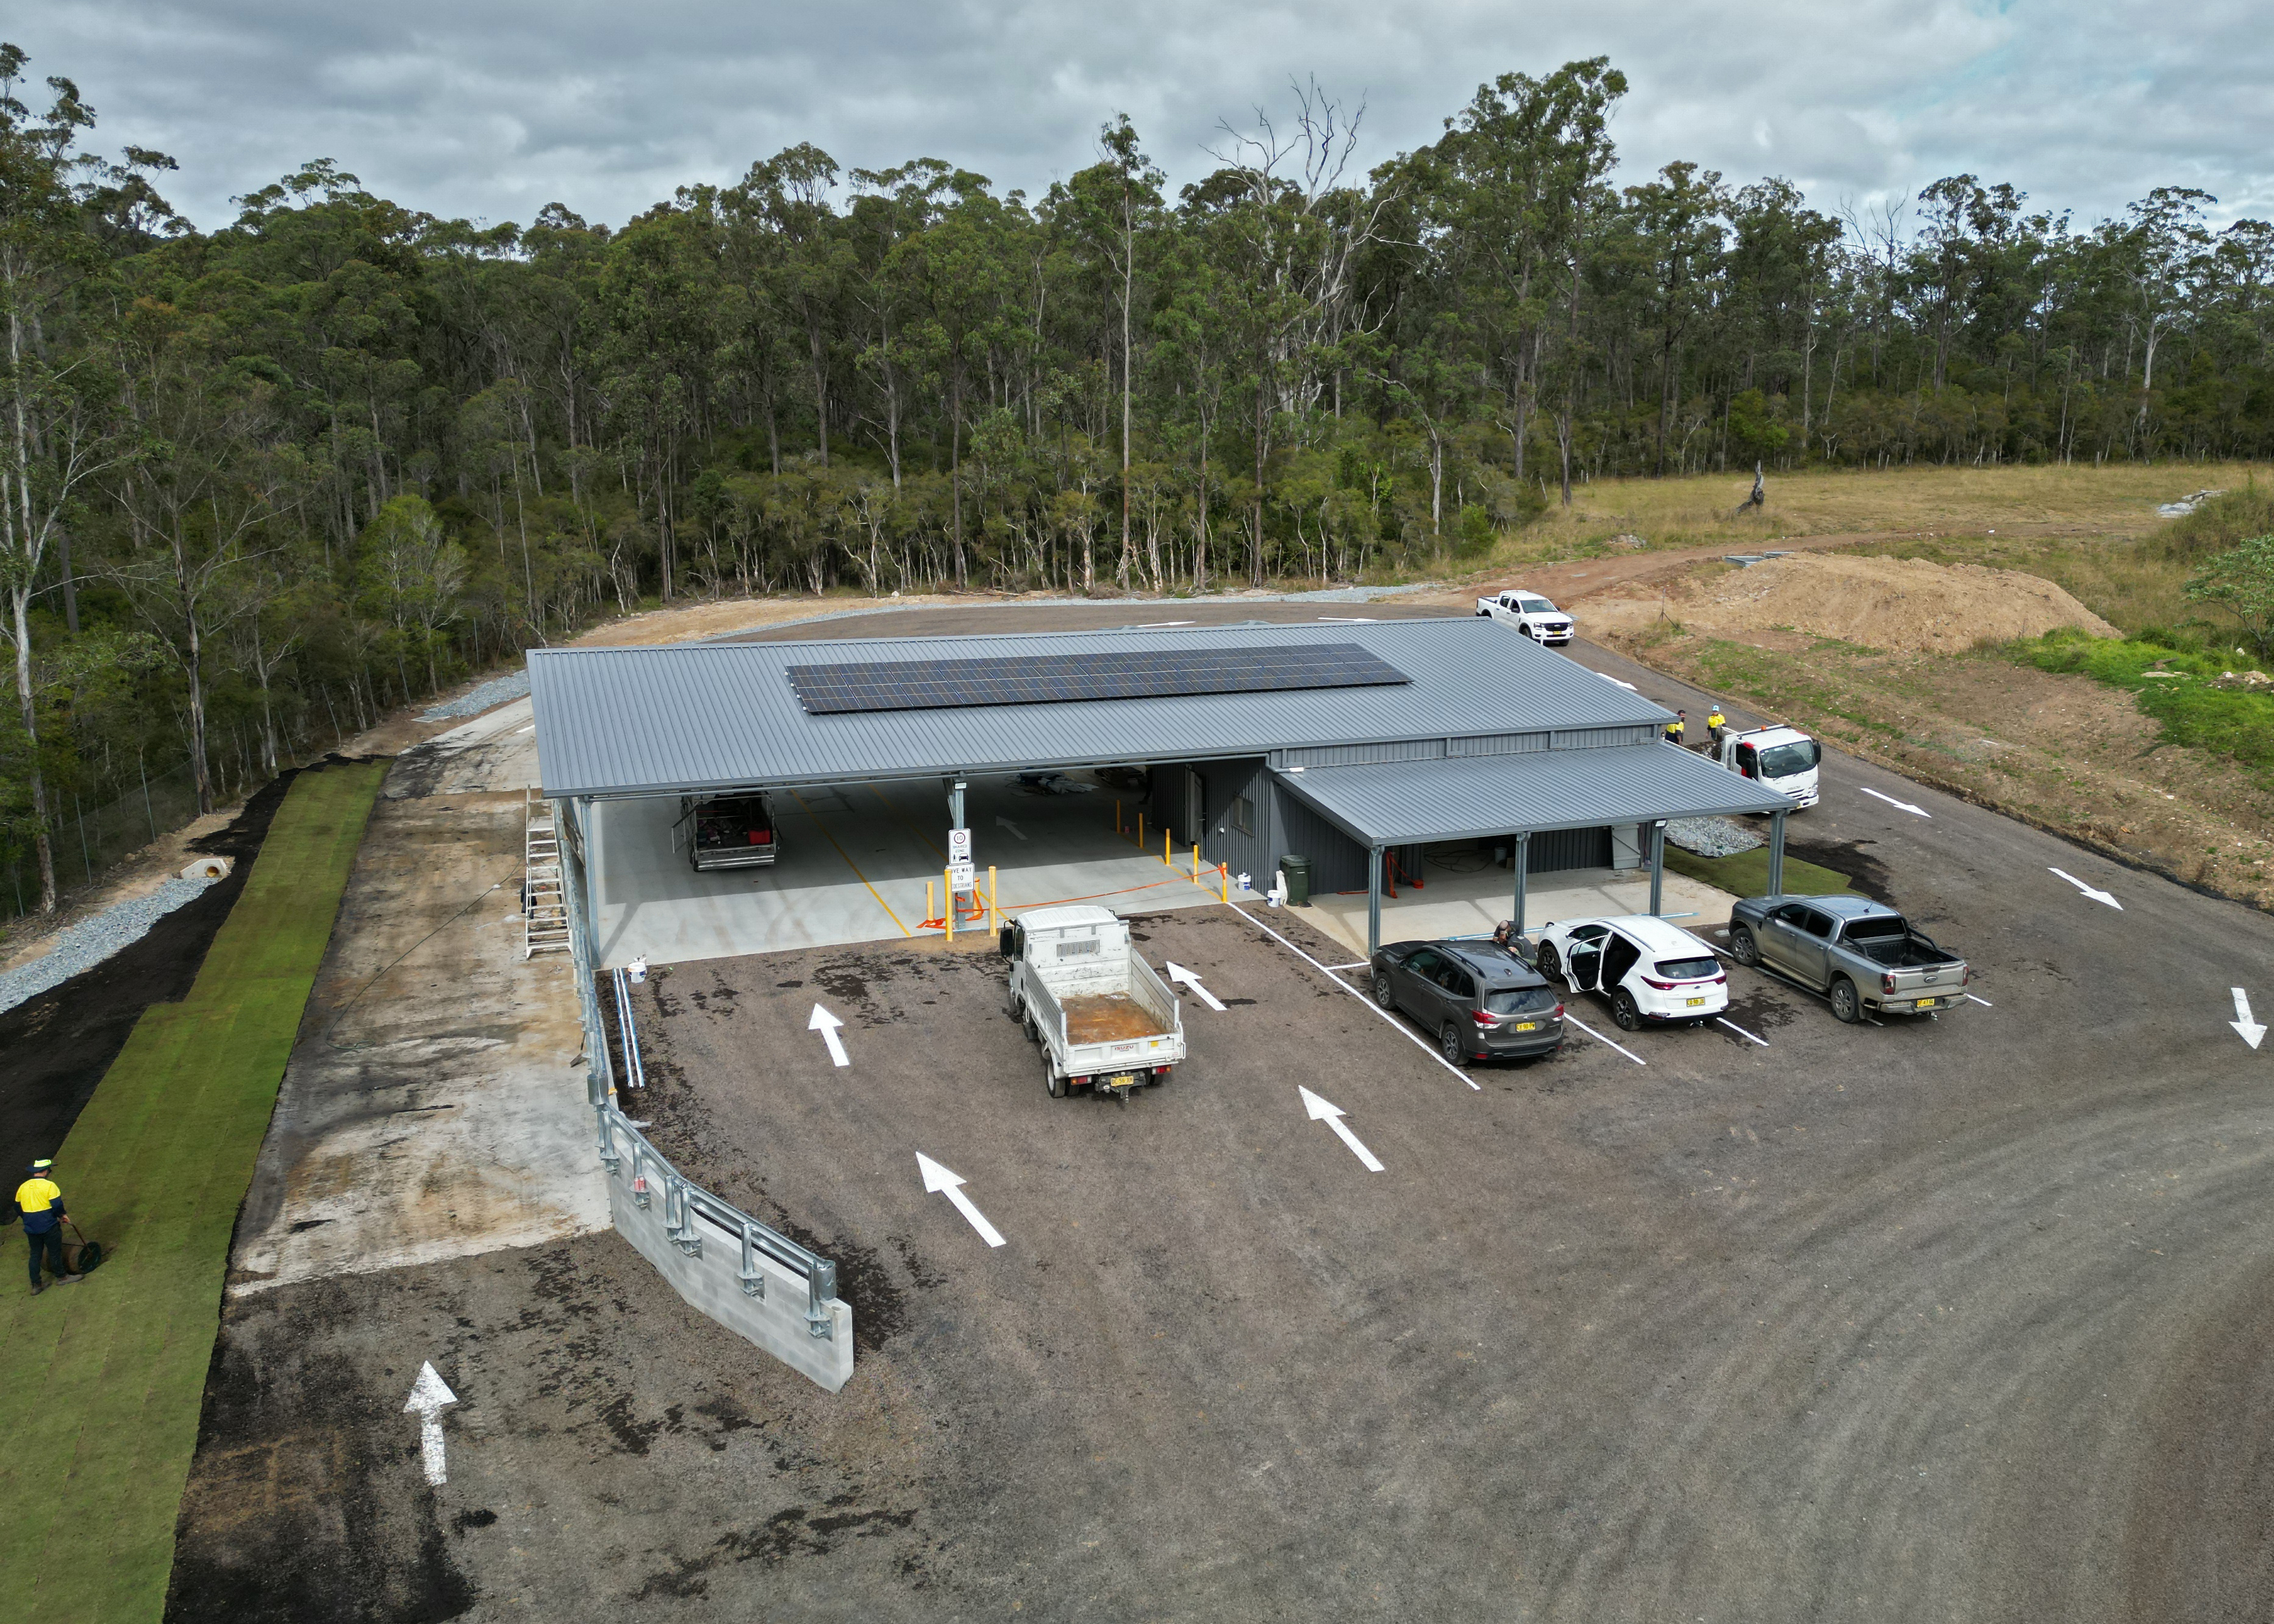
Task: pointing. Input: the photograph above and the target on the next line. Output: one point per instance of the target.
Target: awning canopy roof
(1410, 803)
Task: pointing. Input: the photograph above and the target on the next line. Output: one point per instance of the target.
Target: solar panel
(1058, 678)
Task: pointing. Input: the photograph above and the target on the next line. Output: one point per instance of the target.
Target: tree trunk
(19, 603)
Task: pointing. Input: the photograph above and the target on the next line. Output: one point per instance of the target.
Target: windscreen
(1782, 761)
(1536, 605)
(1688, 969)
(1519, 1000)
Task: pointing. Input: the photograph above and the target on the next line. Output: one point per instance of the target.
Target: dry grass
(1698, 510)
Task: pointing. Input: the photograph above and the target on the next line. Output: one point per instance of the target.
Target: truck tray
(1109, 1017)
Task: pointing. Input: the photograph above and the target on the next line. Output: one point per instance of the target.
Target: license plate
(1697, 1004)
(1528, 1025)
(1126, 1080)
(1924, 1003)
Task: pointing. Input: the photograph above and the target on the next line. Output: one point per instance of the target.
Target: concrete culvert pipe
(208, 868)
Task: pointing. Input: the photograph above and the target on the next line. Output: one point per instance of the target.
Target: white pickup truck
(1528, 612)
(1100, 1015)
(1783, 759)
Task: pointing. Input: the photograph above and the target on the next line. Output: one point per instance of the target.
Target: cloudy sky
(491, 108)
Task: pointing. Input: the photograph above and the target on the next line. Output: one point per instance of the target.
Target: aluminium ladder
(544, 903)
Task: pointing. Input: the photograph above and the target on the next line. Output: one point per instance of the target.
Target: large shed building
(1352, 745)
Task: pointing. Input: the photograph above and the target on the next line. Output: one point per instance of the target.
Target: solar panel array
(1058, 678)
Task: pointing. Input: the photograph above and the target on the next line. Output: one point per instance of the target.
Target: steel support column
(1657, 866)
(1374, 901)
(1522, 852)
(1776, 854)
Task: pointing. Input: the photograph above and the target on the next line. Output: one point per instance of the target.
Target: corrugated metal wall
(1337, 861)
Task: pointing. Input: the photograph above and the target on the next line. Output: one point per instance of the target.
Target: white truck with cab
(1528, 612)
(1783, 759)
(1102, 1015)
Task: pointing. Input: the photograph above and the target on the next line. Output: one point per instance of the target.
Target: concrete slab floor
(1450, 904)
(856, 859)
(431, 1108)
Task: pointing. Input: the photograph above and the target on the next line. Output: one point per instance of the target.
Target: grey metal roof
(655, 720)
(1406, 803)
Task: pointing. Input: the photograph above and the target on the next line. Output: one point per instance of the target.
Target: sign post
(959, 881)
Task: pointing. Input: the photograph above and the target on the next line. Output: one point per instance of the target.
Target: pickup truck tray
(1109, 1017)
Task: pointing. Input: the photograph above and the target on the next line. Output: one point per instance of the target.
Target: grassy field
(1700, 510)
(100, 1393)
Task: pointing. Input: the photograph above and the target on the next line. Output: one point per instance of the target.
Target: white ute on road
(1528, 612)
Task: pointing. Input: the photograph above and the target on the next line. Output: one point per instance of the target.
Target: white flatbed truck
(1783, 759)
(1100, 1015)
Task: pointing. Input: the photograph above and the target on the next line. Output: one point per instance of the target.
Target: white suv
(1650, 971)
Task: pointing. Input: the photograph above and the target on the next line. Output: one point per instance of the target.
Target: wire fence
(88, 838)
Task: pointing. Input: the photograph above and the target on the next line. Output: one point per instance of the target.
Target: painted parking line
(1397, 1024)
(1361, 965)
(1984, 1002)
(1741, 1033)
(850, 863)
(1572, 1019)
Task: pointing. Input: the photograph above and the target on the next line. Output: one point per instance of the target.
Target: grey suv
(1481, 1000)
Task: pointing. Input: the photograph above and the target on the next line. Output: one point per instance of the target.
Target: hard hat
(41, 1165)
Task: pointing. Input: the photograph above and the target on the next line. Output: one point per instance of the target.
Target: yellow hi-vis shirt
(36, 1195)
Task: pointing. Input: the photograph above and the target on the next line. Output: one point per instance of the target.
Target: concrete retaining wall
(711, 1281)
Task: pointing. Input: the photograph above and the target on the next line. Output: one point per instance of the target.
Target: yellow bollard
(1166, 855)
(1196, 865)
(927, 898)
(947, 880)
(1224, 882)
(1141, 831)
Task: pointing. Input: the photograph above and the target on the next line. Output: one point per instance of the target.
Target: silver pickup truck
(1862, 955)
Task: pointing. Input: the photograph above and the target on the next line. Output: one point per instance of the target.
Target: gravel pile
(1710, 837)
(88, 943)
(491, 693)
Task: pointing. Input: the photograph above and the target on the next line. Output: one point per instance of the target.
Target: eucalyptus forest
(267, 480)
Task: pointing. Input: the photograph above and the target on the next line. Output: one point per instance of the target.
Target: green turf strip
(102, 1381)
(1747, 873)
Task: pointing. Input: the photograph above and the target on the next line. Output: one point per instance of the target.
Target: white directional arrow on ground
(428, 1395)
(826, 1024)
(1332, 1115)
(938, 1180)
(1177, 973)
(2251, 1030)
(1017, 833)
(2097, 896)
(1901, 805)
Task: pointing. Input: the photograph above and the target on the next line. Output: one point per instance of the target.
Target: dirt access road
(1959, 1321)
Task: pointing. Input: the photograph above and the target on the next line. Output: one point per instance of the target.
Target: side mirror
(1010, 942)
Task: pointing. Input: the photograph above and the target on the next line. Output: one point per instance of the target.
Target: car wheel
(1052, 1080)
(1743, 948)
(1845, 1004)
(1448, 1041)
(1547, 961)
(1384, 993)
(1625, 1011)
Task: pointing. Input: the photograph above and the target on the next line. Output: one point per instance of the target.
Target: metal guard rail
(684, 1201)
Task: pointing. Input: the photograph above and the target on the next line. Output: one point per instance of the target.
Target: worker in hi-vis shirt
(41, 1205)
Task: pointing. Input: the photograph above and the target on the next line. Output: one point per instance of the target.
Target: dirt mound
(1883, 603)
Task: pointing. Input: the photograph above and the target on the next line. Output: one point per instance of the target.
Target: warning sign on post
(959, 876)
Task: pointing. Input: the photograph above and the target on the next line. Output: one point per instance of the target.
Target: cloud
(491, 110)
